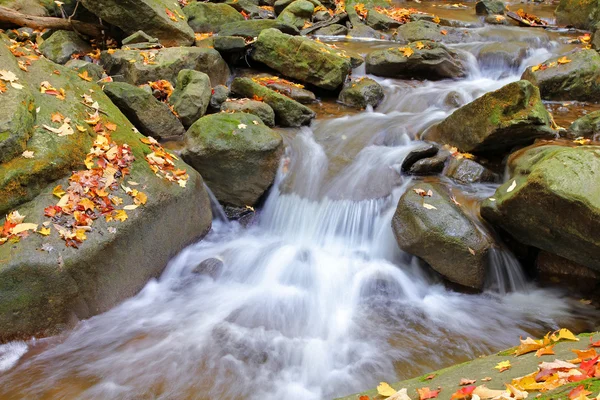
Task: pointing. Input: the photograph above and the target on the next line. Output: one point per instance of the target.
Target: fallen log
(31, 21)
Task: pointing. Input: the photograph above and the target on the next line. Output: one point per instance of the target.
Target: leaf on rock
(503, 366)
(512, 186)
(563, 60)
(578, 392)
(27, 154)
(563, 334)
(58, 191)
(384, 389)
(465, 381)
(545, 351)
(485, 393)
(44, 231)
(429, 206)
(425, 393)
(85, 76)
(401, 394)
(463, 393)
(8, 76)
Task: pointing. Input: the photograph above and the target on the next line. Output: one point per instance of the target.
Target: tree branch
(31, 21)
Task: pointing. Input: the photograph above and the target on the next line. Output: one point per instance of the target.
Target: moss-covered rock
(379, 21)
(427, 60)
(258, 108)
(292, 90)
(252, 28)
(237, 155)
(582, 14)
(219, 95)
(302, 58)
(251, 8)
(149, 115)
(61, 45)
(490, 7)
(552, 202)
(191, 96)
(575, 80)
(209, 17)
(287, 111)
(131, 66)
(437, 230)
(297, 13)
(586, 126)
(332, 30)
(360, 93)
(163, 19)
(510, 116)
(425, 30)
(94, 71)
(229, 44)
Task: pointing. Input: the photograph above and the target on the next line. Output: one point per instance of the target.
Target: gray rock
(210, 17)
(229, 44)
(380, 21)
(587, 126)
(429, 166)
(191, 96)
(364, 31)
(297, 13)
(425, 150)
(219, 95)
(62, 45)
(94, 71)
(498, 55)
(487, 7)
(467, 171)
(149, 115)
(212, 267)
(332, 30)
(258, 108)
(360, 93)
(139, 37)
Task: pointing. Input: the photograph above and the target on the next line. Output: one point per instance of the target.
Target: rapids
(315, 300)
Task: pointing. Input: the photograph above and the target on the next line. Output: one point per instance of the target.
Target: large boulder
(191, 96)
(149, 115)
(490, 7)
(425, 30)
(237, 155)
(92, 70)
(140, 67)
(581, 14)
(162, 19)
(61, 45)
(423, 60)
(45, 285)
(578, 79)
(436, 229)
(586, 126)
(209, 17)
(297, 13)
(302, 58)
(292, 90)
(360, 93)
(288, 112)
(498, 121)
(552, 202)
(258, 108)
(252, 28)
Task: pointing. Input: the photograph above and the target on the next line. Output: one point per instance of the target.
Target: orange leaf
(85, 76)
(563, 60)
(426, 393)
(544, 351)
(463, 393)
(465, 382)
(443, 32)
(578, 391)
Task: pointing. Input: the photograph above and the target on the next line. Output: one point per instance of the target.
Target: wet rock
(297, 13)
(555, 269)
(360, 93)
(191, 96)
(496, 20)
(364, 31)
(139, 37)
(510, 116)
(166, 64)
(94, 71)
(252, 28)
(237, 155)
(258, 108)
(288, 112)
(219, 95)
(429, 166)
(433, 61)
(468, 171)
(243, 215)
(149, 115)
(576, 80)
(446, 236)
(210, 17)
(453, 100)
(380, 21)
(499, 55)
(587, 126)
(251, 9)
(149, 16)
(550, 202)
(292, 90)
(281, 5)
(424, 30)
(425, 150)
(332, 30)
(229, 44)
(581, 14)
(212, 267)
(62, 45)
(43, 291)
(301, 58)
(487, 7)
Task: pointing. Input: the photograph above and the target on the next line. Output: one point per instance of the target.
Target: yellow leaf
(87, 204)
(528, 345)
(23, 227)
(121, 215)
(503, 366)
(141, 198)
(544, 351)
(563, 60)
(44, 231)
(535, 68)
(58, 191)
(436, 20)
(419, 45)
(85, 76)
(80, 235)
(443, 32)
(563, 334)
(384, 389)
(429, 206)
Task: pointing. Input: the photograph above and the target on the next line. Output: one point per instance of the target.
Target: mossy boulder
(297, 13)
(220, 93)
(586, 126)
(332, 30)
(258, 108)
(288, 112)
(427, 60)
(511, 116)
(425, 30)
(131, 66)
(61, 45)
(149, 115)
(229, 44)
(578, 79)
(42, 291)
(162, 19)
(379, 21)
(209, 17)
(581, 14)
(552, 202)
(292, 90)
(447, 237)
(302, 58)
(94, 71)
(490, 7)
(191, 96)
(360, 93)
(252, 28)
(237, 155)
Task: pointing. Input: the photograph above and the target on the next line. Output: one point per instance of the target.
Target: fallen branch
(31, 21)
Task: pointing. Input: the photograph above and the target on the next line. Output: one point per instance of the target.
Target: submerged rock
(301, 58)
(510, 54)
(578, 79)
(149, 115)
(425, 30)
(437, 230)
(288, 112)
(210, 17)
(150, 16)
(237, 155)
(587, 126)
(154, 65)
(212, 267)
(191, 96)
(425, 60)
(510, 116)
(258, 108)
(425, 150)
(61, 45)
(552, 202)
(360, 93)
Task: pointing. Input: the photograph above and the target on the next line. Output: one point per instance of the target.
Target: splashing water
(314, 301)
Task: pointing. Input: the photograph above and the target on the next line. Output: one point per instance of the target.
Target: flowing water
(314, 300)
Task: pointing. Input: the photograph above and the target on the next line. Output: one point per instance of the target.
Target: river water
(314, 301)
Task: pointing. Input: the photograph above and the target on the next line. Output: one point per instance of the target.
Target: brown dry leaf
(426, 393)
(56, 117)
(485, 393)
(486, 379)
(471, 251)
(545, 351)
(464, 381)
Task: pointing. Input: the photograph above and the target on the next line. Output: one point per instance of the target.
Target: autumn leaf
(429, 206)
(436, 20)
(594, 344)
(44, 231)
(110, 126)
(426, 393)
(22, 227)
(120, 215)
(171, 15)
(583, 355)
(563, 60)
(56, 117)
(545, 351)
(465, 382)
(85, 76)
(430, 377)
(563, 334)
(406, 51)
(8, 76)
(578, 391)
(485, 393)
(503, 366)
(443, 32)
(528, 345)
(463, 393)
(141, 198)
(58, 191)
(384, 389)
(512, 187)
(80, 235)
(64, 130)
